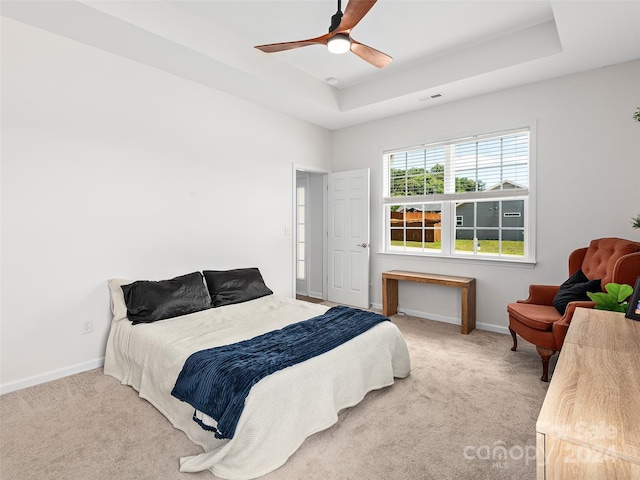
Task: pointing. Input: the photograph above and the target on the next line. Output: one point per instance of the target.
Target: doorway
(310, 226)
(331, 235)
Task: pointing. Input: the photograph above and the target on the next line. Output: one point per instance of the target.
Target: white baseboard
(455, 321)
(49, 376)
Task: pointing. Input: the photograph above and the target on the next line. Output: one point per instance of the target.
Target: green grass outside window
(486, 246)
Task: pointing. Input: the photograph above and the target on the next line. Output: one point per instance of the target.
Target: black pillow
(235, 286)
(575, 288)
(149, 301)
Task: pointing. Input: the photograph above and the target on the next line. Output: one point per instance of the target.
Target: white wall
(588, 165)
(112, 168)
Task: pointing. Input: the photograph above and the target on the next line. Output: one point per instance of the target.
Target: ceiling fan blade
(280, 47)
(371, 55)
(355, 11)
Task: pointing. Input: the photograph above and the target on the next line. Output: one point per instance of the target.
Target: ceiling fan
(339, 40)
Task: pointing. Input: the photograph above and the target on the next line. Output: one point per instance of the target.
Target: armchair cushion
(575, 288)
(538, 317)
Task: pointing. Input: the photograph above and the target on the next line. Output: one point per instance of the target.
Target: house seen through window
(465, 197)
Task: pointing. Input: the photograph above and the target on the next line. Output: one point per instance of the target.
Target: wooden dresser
(589, 424)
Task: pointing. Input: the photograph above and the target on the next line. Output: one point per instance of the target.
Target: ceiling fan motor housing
(336, 19)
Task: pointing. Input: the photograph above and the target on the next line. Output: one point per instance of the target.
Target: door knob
(363, 245)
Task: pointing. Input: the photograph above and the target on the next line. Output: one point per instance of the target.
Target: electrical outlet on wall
(86, 326)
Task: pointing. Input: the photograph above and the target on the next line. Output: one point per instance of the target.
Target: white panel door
(348, 201)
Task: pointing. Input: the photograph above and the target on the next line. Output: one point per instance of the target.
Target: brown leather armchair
(537, 320)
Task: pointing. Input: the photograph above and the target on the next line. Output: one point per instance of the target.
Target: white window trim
(529, 258)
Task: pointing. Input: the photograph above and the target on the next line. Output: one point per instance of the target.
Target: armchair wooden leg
(545, 354)
(515, 340)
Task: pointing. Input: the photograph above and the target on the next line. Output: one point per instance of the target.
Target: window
(465, 197)
(301, 270)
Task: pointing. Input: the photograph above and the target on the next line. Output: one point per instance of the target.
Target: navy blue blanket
(217, 381)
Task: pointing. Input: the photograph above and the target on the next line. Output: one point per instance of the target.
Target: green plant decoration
(636, 115)
(635, 222)
(615, 298)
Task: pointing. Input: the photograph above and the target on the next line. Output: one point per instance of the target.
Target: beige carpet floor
(467, 411)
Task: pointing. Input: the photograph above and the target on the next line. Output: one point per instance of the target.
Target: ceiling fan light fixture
(339, 43)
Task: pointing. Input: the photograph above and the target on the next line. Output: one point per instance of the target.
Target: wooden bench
(466, 284)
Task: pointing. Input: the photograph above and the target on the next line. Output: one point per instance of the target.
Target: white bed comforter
(282, 409)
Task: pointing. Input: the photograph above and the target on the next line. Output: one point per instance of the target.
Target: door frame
(294, 222)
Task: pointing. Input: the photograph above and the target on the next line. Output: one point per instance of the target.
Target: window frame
(448, 201)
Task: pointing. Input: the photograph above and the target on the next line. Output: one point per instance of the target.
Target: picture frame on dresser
(633, 311)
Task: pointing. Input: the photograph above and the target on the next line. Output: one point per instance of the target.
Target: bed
(283, 408)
